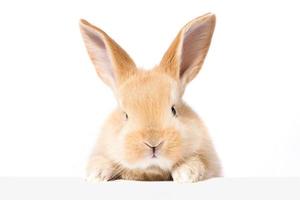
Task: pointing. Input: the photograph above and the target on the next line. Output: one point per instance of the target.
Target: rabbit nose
(154, 147)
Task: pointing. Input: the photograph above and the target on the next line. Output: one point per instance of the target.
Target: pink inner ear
(101, 56)
(195, 40)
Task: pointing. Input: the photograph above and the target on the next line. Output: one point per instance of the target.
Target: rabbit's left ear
(185, 56)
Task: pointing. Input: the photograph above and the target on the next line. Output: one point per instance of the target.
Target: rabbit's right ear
(112, 63)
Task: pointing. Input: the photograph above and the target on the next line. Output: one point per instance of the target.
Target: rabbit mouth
(154, 155)
(155, 149)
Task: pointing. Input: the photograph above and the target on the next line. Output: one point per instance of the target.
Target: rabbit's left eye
(174, 111)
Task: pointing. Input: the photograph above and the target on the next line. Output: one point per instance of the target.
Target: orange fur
(184, 150)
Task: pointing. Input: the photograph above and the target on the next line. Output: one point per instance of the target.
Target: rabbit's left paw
(188, 172)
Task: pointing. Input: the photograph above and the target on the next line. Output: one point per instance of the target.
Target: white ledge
(219, 188)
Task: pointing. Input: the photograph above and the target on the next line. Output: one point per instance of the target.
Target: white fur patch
(148, 162)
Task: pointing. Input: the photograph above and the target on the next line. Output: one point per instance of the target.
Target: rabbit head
(152, 116)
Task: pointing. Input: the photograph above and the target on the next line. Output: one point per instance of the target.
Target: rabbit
(152, 135)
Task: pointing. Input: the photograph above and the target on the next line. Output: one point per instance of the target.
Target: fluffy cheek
(172, 148)
(134, 149)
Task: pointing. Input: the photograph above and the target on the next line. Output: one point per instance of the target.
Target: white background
(52, 103)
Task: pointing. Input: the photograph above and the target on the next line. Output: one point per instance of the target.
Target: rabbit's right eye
(125, 115)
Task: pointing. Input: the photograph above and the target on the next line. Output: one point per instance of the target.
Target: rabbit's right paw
(99, 175)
